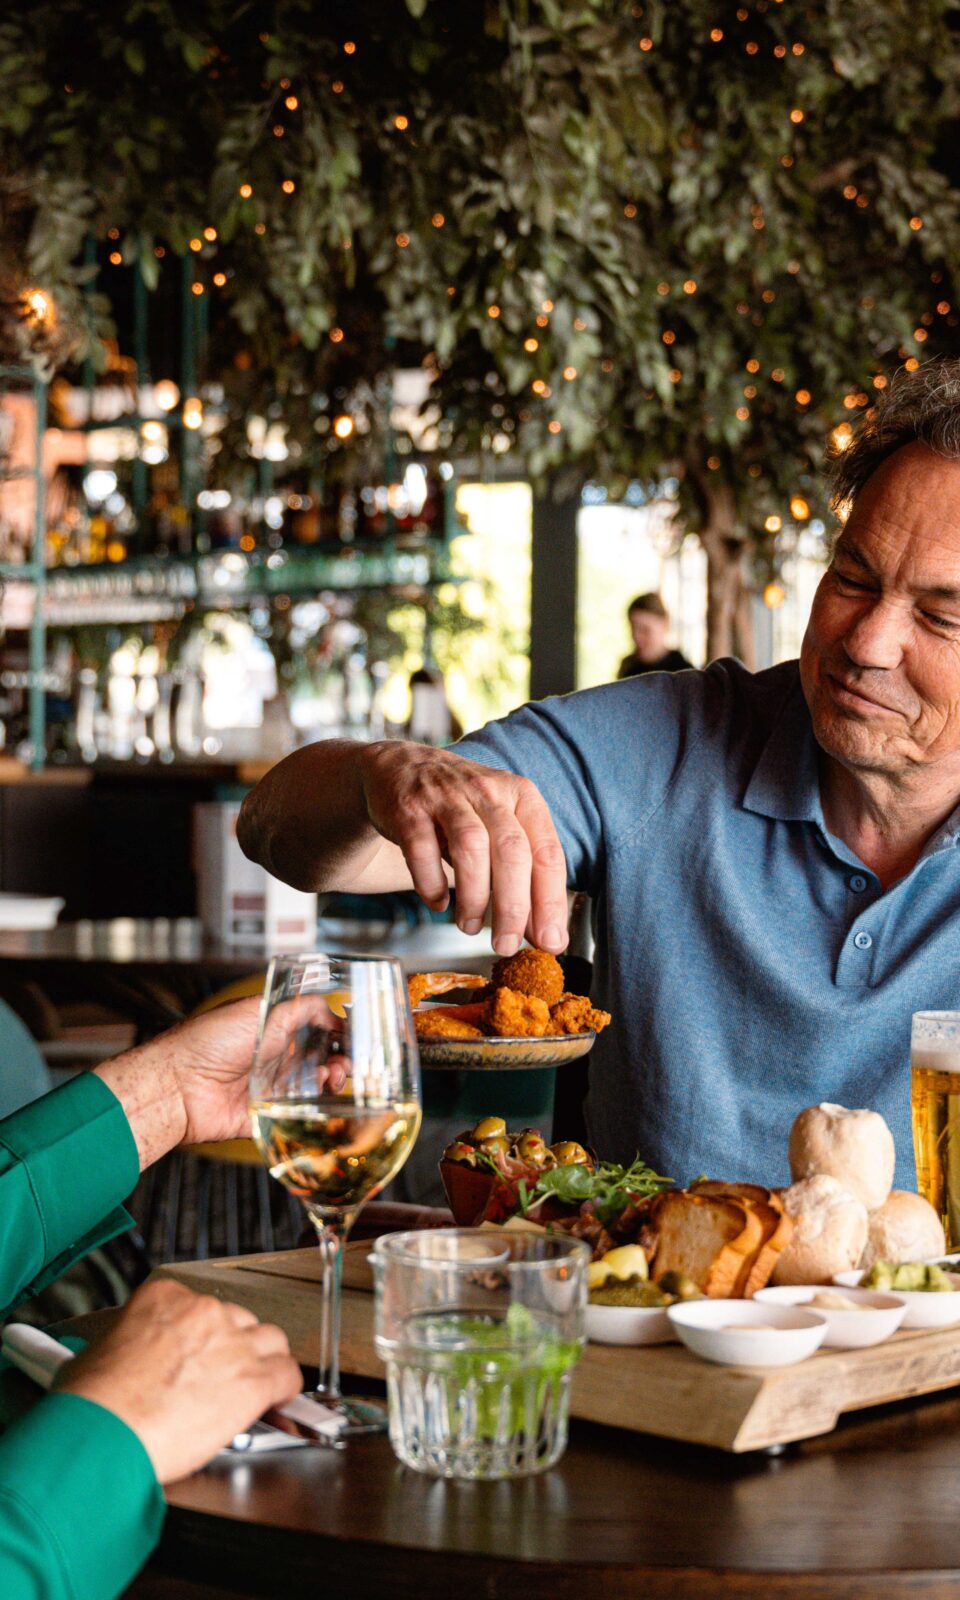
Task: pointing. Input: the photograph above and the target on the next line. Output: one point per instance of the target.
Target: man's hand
(492, 828)
(185, 1372)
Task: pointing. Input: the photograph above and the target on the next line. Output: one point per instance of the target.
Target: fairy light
(919, 334)
(753, 364)
(674, 374)
(542, 321)
(401, 123)
(438, 219)
(803, 397)
(850, 191)
(773, 524)
(750, 391)
(797, 115)
(39, 306)
(774, 595)
(943, 307)
(742, 413)
(713, 463)
(343, 425)
(196, 244)
(210, 234)
(569, 373)
(547, 306)
(579, 324)
(260, 227)
(337, 86)
(689, 285)
(778, 375)
(246, 190)
(668, 336)
(798, 49)
(863, 201)
(879, 381)
(291, 102)
(278, 130)
(530, 345)
(663, 288)
(153, 432)
(288, 186)
(403, 239)
(115, 258)
(630, 210)
(645, 44)
(799, 509)
(159, 252)
(336, 335)
(751, 47)
(716, 35)
(193, 414)
(197, 288)
(842, 436)
(779, 51)
(349, 48)
(554, 426)
(493, 311)
(219, 279)
(912, 364)
(113, 233)
(538, 386)
(166, 395)
(916, 224)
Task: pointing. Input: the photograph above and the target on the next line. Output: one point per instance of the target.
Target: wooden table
(865, 1513)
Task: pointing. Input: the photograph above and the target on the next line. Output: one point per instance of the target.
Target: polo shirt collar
(785, 783)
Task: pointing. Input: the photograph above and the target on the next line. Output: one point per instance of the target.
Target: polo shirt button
(862, 941)
(858, 883)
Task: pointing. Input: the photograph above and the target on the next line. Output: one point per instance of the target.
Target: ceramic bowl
(741, 1333)
(924, 1309)
(877, 1317)
(629, 1325)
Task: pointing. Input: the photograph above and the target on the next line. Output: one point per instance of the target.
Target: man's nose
(876, 638)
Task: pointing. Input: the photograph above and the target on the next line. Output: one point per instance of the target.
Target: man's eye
(950, 623)
(848, 582)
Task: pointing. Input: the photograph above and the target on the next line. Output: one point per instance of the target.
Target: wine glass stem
(331, 1237)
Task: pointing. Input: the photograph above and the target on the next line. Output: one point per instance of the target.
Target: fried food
(511, 1015)
(432, 1025)
(575, 1014)
(422, 985)
(531, 972)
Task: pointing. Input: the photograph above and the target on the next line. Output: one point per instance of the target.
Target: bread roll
(904, 1228)
(855, 1147)
(829, 1231)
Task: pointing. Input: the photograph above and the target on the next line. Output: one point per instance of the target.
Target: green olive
(465, 1154)
(531, 1147)
(570, 1154)
(498, 1145)
(490, 1128)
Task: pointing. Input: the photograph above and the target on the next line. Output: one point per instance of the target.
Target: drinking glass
(479, 1333)
(935, 1110)
(335, 1103)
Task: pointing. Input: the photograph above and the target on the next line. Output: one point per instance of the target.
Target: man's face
(649, 636)
(880, 661)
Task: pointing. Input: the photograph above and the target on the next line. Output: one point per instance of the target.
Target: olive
(490, 1128)
(530, 1146)
(458, 1151)
(498, 1145)
(570, 1154)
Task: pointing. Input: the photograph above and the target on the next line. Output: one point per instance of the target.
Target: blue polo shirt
(752, 963)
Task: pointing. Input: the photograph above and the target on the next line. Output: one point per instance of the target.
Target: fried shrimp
(531, 972)
(517, 1016)
(423, 985)
(433, 1025)
(574, 1014)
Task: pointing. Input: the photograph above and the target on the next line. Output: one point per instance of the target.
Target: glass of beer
(335, 1103)
(935, 1108)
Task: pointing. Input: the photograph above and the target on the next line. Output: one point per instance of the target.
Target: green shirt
(80, 1506)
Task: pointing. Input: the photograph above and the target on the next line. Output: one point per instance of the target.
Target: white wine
(334, 1154)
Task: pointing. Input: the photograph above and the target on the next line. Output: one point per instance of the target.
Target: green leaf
(134, 57)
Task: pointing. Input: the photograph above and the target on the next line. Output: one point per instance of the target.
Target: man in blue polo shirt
(771, 856)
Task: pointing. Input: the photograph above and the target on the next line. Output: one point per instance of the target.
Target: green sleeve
(66, 1163)
(80, 1506)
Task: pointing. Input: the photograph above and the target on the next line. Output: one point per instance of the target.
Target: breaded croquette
(531, 972)
(574, 1014)
(433, 1025)
(511, 1015)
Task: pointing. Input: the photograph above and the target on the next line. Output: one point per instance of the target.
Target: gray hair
(921, 407)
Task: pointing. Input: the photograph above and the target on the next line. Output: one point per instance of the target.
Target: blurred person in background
(649, 622)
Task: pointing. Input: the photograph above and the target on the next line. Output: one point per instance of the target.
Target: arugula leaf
(610, 1188)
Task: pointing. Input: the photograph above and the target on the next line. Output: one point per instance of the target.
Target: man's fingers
(421, 850)
(548, 883)
(510, 864)
(467, 848)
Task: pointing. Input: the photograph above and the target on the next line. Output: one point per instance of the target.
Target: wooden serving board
(662, 1389)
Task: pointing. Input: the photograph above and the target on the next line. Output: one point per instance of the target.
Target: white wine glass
(335, 1104)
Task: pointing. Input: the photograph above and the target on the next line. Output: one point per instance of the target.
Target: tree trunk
(729, 620)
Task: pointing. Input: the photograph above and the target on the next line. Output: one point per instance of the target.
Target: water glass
(479, 1333)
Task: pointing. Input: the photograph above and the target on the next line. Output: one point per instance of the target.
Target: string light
(630, 210)
(530, 345)
(538, 386)
(554, 426)
(663, 288)
(751, 47)
(166, 395)
(113, 233)
(690, 286)
(668, 336)
(278, 130)
(159, 252)
(799, 509)
(337, 86)
(798, 49)
(773, 524)
(777, 375)
(753, 364)
(742, 413)
(713, 463)
(916, 224)
(438, 219)
(579, 324)
(842, 437)
(912, 364)
(193, 414)
(196, 244)
(803, 397)
(879, 381)
(716, 35)
(260, 227)
(291, 102)
(219, 279)
(349, 48)
(569, 373)
(547, 306)
(401, 124)
(646, 44)
(750, 391)
(675, 374)
(336, 335)
(943, 306)
(774, 595)
(343, 426)
(919, 334)
(493, 311)
(403, 239)
(197, 288)
(115, 258)
(210, 234)
(543, 322)
(288, 186)
(779, 51)
(153, 432)
(39, 307)
(246, 190)
(796, 114)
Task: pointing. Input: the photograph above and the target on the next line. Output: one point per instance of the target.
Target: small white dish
(629, 1325)
(877, 1317)
(740, 1333)
(925, 1308)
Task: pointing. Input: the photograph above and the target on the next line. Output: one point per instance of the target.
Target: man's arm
(371, 818)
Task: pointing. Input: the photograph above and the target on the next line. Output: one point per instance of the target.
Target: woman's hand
(186, 1372)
